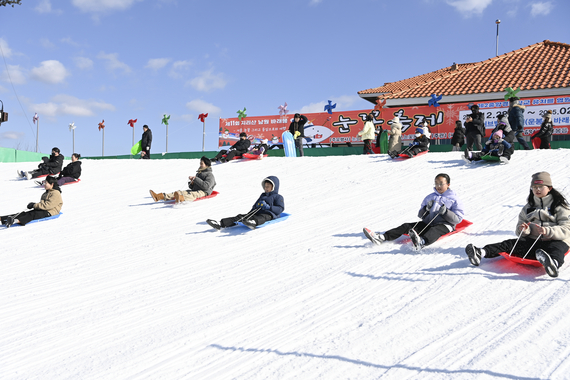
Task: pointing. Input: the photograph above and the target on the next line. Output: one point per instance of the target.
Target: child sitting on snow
(440, 212)
(496, 146)
(259, 149)
(543, 229)
(49, 205)
(420, 144)
(267, 207)
(200, 185)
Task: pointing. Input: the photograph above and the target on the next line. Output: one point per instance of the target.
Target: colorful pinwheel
(132, 122)
(329, 107)
(35, 118)
(283, 109)
(102, 124)
(511, 93)
(202, 117)
(241, 114)
(434, 100)
(165, 119)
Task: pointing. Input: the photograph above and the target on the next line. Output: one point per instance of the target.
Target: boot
(156, 197)
(178, 197)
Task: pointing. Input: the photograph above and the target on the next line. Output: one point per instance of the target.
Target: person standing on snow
(516, 120)
(146, 142)
(395, 133)
(440, 212)
(297, 129)
(367, 134)
(545, 132)
(474, 128)
(543, 229)
(458, 138)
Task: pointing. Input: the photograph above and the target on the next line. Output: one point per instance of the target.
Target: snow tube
(250, 156)
(404, 156)
(281, 218)
(520, 260)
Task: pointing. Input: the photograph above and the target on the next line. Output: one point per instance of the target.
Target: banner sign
(343, 127)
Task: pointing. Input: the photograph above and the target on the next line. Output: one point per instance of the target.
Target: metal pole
(133, 136)
(166, 138)
(103, 147)
(497, 49)
(204, 136)
(73, 133)
(37, 133)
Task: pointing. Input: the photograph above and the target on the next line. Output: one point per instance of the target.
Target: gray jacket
(204, 181)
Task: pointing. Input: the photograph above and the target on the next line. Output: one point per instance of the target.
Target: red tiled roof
(540, 66)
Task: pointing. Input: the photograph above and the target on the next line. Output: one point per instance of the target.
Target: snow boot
(547, 262)
(40, 183)
(467, 156)
(474, 254)
(156, 197)
(503, 160)
(9, 221)
(28, 175)
(374, 237)
(20, 173)
(214, 224)
(249, 223)
(178, 197)
(417, 241)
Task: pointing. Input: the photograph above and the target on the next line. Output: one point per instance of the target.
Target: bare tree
(3, 3)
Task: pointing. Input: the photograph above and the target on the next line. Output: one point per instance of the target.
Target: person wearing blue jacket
(496, 146)
(268, 206)
(516, 120)
(439, 212)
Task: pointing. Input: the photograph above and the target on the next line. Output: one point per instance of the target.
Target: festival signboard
(343, 126)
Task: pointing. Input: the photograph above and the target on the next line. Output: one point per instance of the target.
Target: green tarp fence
(13, 155)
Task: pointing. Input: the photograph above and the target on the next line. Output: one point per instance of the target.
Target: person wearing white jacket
(367, 134)
(395, 135)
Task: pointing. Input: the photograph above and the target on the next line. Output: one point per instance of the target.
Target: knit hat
(396, 119)
(206, 161)
(541, 178)
(499, 132)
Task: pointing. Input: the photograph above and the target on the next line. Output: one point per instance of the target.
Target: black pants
(430, 234)
(299, 145)
(229, 154)
(26, 217)
(555, 248)
(476, 156)
(259, 218)
(368, 147)
(146, 155)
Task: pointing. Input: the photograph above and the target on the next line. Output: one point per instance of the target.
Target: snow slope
(120, 287)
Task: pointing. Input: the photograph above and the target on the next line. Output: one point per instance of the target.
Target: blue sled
(281, 218)
(37, 220)
(289, 144)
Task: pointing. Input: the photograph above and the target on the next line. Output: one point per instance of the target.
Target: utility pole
(497, 50)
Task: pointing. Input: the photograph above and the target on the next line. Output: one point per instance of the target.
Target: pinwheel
(241, 114)
(102, 127)
(283, 109)
(202, 118)
(132, 124)
(434, 100)
(511, 93)
(37, 118)
(379, 104)
(329, 107)
(72, 127)
(164, 121)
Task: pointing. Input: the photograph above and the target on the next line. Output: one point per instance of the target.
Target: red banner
(343, 127)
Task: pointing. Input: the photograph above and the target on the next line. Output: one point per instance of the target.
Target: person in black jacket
(70, 173)
(297, 129)
(267, 207)
(239, 148)
(545, 132)
(474, 128)
(49, 166)
(146, 142)
(458, 138)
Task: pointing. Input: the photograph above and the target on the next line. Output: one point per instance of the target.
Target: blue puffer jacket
(516, 116)
(454, 213)
(273, 199)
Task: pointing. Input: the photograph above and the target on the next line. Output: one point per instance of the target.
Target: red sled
(404, 156)
(458, 228)
(214, 193)
(520, 260)
(250, 156)
(235, 157)
(72, 182)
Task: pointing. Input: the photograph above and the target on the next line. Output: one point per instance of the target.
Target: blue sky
(82, 61)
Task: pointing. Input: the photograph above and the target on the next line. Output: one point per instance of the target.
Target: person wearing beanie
(239, 148)
(516, 120)
(395, 132)
(545, 131)
(49, 166)
(49, 205)
(260, 149)
(146, 142)
(474, 128)
(542, 230)
(367, 134)
(496, 146)
(420, 144)
(439, 212)
(458, 137)
(297, 129)
(200, 185)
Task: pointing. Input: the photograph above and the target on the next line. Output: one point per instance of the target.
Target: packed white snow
(121, 287)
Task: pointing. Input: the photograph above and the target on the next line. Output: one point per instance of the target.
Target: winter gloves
(442, 210)
(297, 134)
(263, 205)
(31, 205)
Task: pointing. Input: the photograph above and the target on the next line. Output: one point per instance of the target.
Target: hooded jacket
(503, 125)
(241, 146)
(516, 116)
(146, 141)
(556, 222)
(204, 181)
(51, 201)
(452, 216)
(477, 125)
(54, 164)
(273, 199)
(298, 126)
(458, 135)
(72, 170)
(491, 145)
(367, 132)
